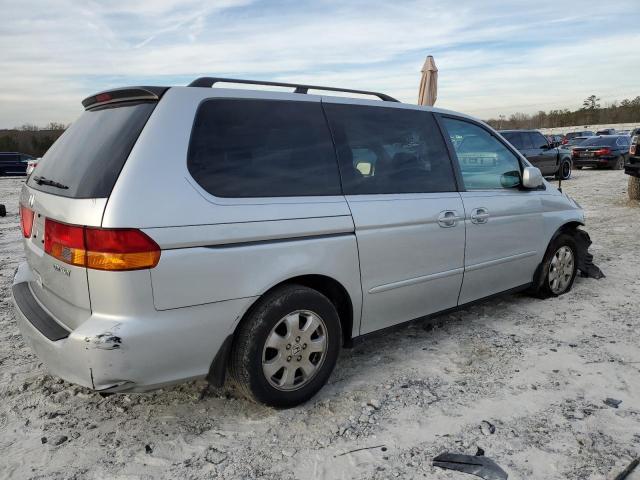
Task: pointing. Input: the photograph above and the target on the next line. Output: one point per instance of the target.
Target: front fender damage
(585, 259)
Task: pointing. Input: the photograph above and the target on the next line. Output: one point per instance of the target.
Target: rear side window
(90, 154)
(389, 150)
(262, 148)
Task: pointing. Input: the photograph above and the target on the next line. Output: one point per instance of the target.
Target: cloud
(494, 57)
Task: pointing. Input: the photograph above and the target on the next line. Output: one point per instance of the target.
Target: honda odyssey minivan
(202, 232)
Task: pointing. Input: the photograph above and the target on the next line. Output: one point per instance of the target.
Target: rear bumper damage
(115, 353)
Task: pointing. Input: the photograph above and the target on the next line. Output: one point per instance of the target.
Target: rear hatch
(68, 191)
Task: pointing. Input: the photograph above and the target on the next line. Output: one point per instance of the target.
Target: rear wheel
(559, 267)
(287, 346)
(619, 163)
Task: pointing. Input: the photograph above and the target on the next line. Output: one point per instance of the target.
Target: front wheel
(287, 346)
(559, 267)
(564, 172)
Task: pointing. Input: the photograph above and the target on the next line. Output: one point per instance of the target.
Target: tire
(273, 339)
(564, 172)
(619, 163)
(550, 284)
(634, 188)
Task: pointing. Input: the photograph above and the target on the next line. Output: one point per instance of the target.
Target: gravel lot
(539, 371)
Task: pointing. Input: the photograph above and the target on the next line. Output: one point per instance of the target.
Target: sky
(493, 57)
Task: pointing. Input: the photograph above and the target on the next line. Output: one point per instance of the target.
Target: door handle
(480, 215)
(448, 218)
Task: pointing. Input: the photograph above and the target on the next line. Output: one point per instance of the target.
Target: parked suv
(186, 232)
(540, 153)
(632, 167)
(581, 133)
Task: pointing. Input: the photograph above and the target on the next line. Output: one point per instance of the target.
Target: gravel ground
(538, 371)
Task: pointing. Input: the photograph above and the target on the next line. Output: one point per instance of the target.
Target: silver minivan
(194, 232)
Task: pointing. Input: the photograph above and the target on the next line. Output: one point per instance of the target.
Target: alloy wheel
(295, 350)
(561, 270)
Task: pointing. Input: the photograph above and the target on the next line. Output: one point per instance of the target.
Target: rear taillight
(565, 141)
(574, 153)
(26, 221)
(65, 242)
(632, 150)
(603, 151)
(100, 249)
(122, 249)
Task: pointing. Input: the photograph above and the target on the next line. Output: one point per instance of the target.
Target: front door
(503, 222)
(400, 186)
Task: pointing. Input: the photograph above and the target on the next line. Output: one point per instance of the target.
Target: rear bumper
(120, 353)
(596, 162)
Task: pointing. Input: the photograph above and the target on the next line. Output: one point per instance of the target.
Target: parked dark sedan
(603, 151)
(575, 141)
(13, 163)
(581, 133)
(536, 148)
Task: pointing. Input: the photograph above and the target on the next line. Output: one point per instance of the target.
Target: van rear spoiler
(126, 94)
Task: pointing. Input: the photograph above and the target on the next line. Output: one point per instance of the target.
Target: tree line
(591, 113)
(30, 139)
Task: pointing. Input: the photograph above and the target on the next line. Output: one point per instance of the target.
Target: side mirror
(546, 147)
(531, 177)
(510, 179)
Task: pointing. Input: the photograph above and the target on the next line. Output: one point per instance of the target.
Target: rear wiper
(52, 183)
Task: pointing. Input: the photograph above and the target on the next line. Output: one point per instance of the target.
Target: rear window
(585, 133)
(90, 154)
(263, 148)
(598, 141)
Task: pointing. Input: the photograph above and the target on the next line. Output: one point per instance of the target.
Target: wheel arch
(567, 227)
(329, 287)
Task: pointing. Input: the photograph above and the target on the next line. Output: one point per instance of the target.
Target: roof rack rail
(208, 82)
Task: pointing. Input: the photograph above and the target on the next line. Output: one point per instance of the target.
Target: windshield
(86, 160)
